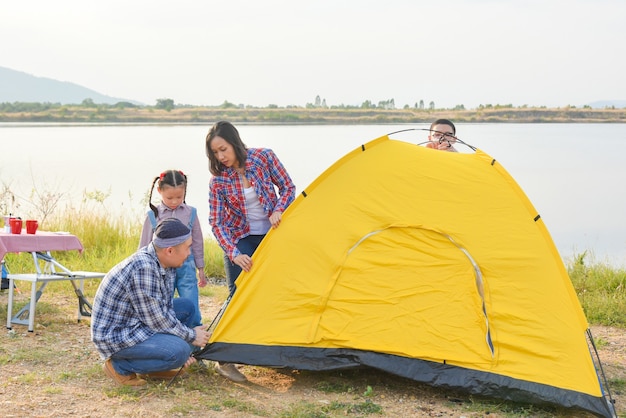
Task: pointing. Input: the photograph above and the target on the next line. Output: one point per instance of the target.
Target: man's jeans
(160, 352)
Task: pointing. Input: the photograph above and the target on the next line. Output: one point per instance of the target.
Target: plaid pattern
(134, 302)
(228, 216)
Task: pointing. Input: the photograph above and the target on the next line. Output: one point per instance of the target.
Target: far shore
(107, 114)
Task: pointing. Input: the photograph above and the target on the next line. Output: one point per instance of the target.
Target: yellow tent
(431, 265)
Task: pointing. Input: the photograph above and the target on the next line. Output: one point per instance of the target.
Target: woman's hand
(244, 261)
(275, 218)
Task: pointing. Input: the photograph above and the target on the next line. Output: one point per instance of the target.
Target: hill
(17, 86)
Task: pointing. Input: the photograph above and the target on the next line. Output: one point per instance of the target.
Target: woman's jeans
(247, 245)
(160, 352)
(187, 286)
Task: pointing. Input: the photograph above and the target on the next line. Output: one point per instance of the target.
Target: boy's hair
(172, 178)
(229, 133)
(444, 122)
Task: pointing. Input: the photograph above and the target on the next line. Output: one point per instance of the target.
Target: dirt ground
(55, 372)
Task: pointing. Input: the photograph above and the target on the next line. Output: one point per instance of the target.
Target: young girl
(172, 186)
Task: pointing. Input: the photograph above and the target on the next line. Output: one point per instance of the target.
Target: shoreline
(105, 114)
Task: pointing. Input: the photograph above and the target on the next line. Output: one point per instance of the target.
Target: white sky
(202, 52)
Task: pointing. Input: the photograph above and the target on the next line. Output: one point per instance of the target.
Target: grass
(601, 290)
(305, 409)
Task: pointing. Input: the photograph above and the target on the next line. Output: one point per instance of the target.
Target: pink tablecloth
(41, 241)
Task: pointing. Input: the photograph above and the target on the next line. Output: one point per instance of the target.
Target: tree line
(317, 112)
(169, 104)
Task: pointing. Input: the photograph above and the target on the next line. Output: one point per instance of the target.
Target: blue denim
(187, 286)
(247, 245)
(160, 352)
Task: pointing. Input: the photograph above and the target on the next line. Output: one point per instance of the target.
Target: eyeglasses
(443, 136)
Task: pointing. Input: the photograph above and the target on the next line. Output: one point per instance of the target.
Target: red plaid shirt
(228, 216)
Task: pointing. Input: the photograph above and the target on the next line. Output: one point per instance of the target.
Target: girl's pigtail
(154, 209)
(185, 183)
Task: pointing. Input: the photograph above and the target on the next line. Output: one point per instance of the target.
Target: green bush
(601, 290)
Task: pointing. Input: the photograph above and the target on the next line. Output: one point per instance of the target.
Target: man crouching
(138, 327)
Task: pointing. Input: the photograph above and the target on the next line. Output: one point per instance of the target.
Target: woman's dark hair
(230, 134)
(172, 178)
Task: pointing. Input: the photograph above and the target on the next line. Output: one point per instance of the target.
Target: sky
(550, 53)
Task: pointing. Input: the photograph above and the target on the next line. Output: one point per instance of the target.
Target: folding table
(46, 269)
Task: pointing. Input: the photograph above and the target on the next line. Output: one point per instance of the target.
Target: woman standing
(243, 202)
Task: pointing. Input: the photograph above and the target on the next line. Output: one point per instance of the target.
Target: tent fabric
(430, 265)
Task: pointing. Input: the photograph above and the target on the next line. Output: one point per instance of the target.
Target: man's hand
(202, 336)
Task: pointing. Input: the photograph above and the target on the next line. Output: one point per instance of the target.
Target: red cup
(16, 226)
(31, 226)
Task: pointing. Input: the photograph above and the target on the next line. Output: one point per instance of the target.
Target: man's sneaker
(120, 379)
(229, 371)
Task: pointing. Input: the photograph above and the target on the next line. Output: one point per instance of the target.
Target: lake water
(572, 173)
